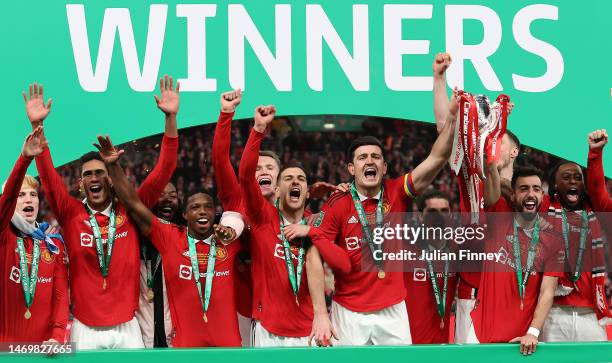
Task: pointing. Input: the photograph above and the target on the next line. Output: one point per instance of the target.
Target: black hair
(294, 164)
(186, 200)
(523, 171)
(362, 141)
(92, 155)
(431, 194)
(552, 190)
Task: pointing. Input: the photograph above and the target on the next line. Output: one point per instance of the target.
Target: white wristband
(533, 331)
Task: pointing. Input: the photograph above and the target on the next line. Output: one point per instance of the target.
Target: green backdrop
(37, 46)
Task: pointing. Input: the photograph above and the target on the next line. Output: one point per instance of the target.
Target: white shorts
(389, 326)
(471, 337)
(263, 338)
(572, 324)
(463, 319)
(245, 325)
(126, 335)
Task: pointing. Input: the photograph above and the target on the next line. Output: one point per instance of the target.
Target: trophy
(479, 130)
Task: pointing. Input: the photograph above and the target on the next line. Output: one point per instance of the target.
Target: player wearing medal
(101, 241)
(153, 312)
(249, 300)
(368, 306)
(429, 300)
(278, 246)
(198, 262)
(580, 311)
(469, 276)
(34, 294)
(517, 287)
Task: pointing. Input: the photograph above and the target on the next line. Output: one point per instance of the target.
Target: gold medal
(441, 323)
(522, 306)
(27, 314)
(296, 301)
(205, 318)
(150, 295)
(104, 284)
(381, 274)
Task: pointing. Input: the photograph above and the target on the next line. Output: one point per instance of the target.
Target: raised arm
(32, 147)
(60, 298)
(426, 171)
(596, 180)
(139, 213)
(545, 300)
(253, 199)
(152, 187)
(492, 185)
(441, 102)
(228, 188)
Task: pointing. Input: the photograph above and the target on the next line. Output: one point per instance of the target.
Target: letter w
(117, 20)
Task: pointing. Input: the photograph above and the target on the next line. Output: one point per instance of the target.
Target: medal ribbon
(103, 261)
(210, 269)
(583, 232)
(295, 276)
(28, 281)
(518, 265)
(440, 300)
(365, 225)
(150, 275)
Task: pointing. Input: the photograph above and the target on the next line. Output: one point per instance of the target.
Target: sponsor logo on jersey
(185, 272)
(86, 240)
(15, 276)
(279, 251)
(352, 243)
(420, 274)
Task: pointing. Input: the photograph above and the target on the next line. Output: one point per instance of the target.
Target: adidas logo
(353, 220)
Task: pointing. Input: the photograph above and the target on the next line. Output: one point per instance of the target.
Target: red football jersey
(185, 307)
(91, 304)
(421, 303)
(497, 315)
(280, 314)
(49, 309)
(361, 290)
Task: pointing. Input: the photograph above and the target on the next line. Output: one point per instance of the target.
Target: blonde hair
(30, 181)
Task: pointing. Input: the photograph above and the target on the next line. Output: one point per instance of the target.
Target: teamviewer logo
(185, 272)
(15, 276)
(420, 274)
(86, 240)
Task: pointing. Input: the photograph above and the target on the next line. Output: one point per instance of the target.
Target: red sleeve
(62, 204)
(254, 201)
(60, 296)
(8, 199)
(157, 235)
(323, 235)
(404, 186)
(596, 182)
(152, 187)
(228, 189)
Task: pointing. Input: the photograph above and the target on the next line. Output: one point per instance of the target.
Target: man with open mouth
(580, 311)
(278, 246)
(516, 291)
(105, 297)
(368, 306)
(34, 295)
(198, 260)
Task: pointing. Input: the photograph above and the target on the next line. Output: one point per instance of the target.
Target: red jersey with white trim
(280, 315)
(49, 309)
(582, 293)
(360, 290)
(185, 307)
(421, 302)
(91, 304)
(497, 315)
